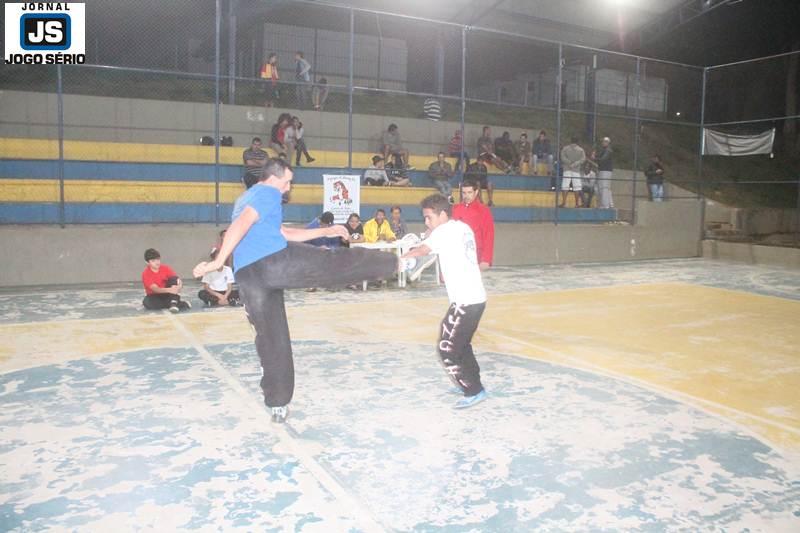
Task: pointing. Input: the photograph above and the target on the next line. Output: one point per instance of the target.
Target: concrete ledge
(94, 254)
(752, 254)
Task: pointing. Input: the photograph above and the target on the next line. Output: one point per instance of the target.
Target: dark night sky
(734, 32)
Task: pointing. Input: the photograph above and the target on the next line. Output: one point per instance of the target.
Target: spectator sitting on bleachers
(277, 137)
(393, 145)
(323, 221)
(542, 153)
(478, 172)
(378, 228)
(319, 94)
(398, 176)
(504, 148)
(376, 173)
(354, 228)
(456, 149)
(572, 159)
(397, 223)
(254, 160)
(440, 173)
(486, 150)
(295, 141)
(218, 286)
(522, 153)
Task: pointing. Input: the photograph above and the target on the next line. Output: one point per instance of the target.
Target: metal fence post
(463, 159)
(557, 170)
(60, 97)
(350, 90)
(216, 110)
(636, 126)
(700, 163)
(702, 134)
(797, 228)
(231, 52)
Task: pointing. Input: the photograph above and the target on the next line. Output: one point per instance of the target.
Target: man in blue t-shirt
(323, 221)
(269, 257)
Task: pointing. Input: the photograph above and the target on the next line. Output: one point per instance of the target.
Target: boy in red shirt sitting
(161, 285)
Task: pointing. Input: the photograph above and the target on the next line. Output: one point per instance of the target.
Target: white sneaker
(279, 414)
(173, 307)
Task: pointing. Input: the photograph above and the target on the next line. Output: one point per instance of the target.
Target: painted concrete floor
(648, 396)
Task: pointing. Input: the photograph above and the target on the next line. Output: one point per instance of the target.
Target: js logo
(45, 31)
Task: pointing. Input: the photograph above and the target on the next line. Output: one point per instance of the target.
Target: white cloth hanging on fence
(720, 143)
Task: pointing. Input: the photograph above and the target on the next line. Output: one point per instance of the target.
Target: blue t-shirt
(330, 242)
(264, 237)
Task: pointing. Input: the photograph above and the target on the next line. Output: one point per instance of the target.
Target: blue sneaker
(469, 401)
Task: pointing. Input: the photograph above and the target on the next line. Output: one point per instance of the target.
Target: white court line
(286, 436)
(680, 397)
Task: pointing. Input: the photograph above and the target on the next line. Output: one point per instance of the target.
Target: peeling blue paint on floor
(156, 439)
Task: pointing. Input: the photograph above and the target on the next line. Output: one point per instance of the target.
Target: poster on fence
(342, 195)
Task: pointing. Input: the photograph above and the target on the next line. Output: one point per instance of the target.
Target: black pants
(295, 267)
(164, 300)
(300, 149)
(213, 299)
(455, 346)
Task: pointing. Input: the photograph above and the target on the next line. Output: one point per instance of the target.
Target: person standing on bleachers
(302, 78)
(456, 149)
(572, 159)
(604, 157)
(269, 72)
(655, 179)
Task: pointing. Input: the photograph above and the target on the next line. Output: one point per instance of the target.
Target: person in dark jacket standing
(655, 179)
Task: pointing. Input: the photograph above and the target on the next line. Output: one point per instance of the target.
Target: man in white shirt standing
(218, 286)
(454, 243)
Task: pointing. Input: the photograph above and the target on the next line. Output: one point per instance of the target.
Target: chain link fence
(188, 74)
